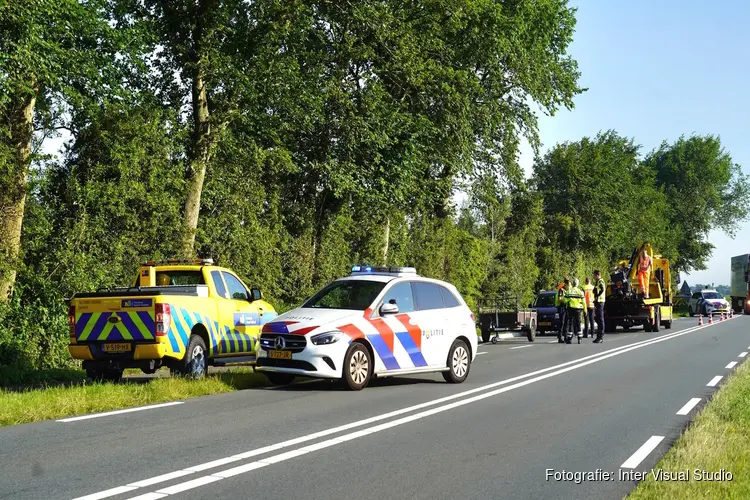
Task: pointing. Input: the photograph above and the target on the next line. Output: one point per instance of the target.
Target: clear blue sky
(658, 69)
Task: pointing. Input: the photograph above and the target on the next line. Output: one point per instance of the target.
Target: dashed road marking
(714, 381)
(731, 365)
(689, 406)
(644, 451)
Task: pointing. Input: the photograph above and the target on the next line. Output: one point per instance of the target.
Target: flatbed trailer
(503, 313)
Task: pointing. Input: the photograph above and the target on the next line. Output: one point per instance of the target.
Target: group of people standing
(573, 303)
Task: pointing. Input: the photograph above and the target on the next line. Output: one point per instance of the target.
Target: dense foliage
(291, 139)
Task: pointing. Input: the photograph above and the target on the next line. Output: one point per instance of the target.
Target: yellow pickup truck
(185, 315)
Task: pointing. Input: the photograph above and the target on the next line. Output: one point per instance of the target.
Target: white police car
(376, 322)
(707, 302)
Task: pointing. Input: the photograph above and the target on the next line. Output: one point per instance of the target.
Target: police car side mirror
(255, 294)
(388, 308)
(531, 305)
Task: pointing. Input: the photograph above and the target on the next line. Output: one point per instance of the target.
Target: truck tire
(357, 367)
(195, 362)
(458, 362)
(657, 320)
(690, 311)
(531, 332)
(279, 378)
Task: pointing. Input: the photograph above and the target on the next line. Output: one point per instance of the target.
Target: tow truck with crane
(625, 303)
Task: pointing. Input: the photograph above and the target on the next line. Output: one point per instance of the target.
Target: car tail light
(473, 319)
(163, 319)
(72, 322)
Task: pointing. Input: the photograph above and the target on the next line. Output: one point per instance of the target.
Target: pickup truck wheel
(459, 363)
(279, 378)
(195, 362)
(357, 367)
(531, 332)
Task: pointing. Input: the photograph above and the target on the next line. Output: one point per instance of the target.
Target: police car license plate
(123, 347)
(280, 354)
(545, 323)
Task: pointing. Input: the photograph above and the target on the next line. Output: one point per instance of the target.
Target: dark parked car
(548, 320)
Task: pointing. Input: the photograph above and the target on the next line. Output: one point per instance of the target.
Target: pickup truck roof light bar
(202, 262)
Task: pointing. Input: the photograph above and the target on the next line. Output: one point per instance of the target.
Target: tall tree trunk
(199, 159)
(318, 236)
(386, 239)
(13, 194)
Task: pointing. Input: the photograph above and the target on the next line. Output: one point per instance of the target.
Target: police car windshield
(712, 295)
(356, 295)
(545, 300)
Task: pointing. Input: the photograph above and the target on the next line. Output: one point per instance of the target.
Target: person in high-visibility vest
(588, 313)
(575, 311)
(600, 290)
(644, 272)
(561, 311)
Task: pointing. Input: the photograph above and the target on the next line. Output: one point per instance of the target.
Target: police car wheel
(459, 363)
(357, 367)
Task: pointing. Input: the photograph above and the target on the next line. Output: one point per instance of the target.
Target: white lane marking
(552, 342)
(637, 457)
(120, 412)
(195, 483)
(520, 347)
(743, 354)
(108, 493)
(160, 479)
(689, 406)
(285, 444)
(731, 365)
(424, 414)
(714, 381)
(480, 353)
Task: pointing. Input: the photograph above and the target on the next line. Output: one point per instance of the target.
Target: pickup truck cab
(185, 315)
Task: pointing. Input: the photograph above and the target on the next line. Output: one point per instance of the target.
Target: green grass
(719, 438)
(75, 397)
(680, 310)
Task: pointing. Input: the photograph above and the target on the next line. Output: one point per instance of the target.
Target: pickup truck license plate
(122, 347)
(545, 323)
(280, 354)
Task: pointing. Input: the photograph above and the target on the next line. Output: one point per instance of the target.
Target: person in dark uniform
(600, 290)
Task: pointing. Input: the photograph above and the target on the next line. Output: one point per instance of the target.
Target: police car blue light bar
(360, 269)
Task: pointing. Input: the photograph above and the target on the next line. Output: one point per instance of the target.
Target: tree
(706, 190)
(53, 54)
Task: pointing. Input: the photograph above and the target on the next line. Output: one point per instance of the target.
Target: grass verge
(34, 405)
(717, 440)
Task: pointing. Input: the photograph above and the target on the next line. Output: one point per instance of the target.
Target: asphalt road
(526, 412)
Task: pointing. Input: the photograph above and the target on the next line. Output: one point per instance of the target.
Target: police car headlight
(325, 338)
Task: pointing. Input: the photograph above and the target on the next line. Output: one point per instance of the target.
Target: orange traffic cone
(710, 319)
(700, 320)
(721, 317)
